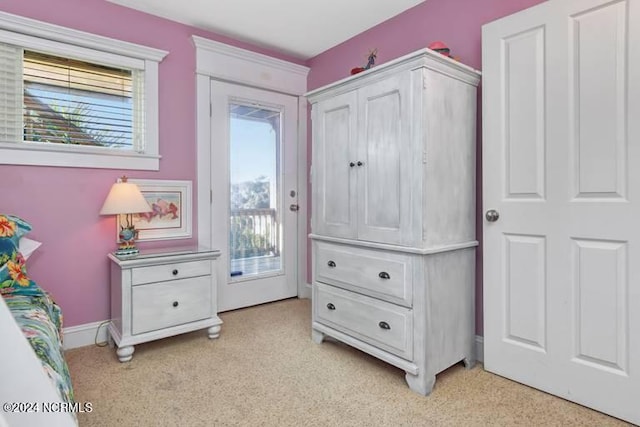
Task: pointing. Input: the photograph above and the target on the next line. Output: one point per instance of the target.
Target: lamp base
(128, 236)
(127, 251)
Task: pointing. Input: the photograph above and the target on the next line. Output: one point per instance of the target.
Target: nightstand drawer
(162, 305)
(379, 274)
(164, 272)
(376, 322)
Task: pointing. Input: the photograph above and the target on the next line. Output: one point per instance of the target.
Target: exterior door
(254, 194)
(335, 123)
(561, 195)
(385, 157)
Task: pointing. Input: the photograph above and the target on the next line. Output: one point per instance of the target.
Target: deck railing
(254, 232)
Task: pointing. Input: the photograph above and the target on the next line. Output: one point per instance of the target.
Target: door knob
(492, 215)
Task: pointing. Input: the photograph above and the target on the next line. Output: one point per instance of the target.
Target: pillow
(13, 272)
(13, 228)
(28, 246)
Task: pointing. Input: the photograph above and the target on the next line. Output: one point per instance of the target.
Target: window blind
(74, 102)
(10, 93)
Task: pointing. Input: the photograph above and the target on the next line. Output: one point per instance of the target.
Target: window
(66, 101)
(76, 99)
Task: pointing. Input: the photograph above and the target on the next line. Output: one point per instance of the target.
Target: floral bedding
(40, 320)
(37, 315)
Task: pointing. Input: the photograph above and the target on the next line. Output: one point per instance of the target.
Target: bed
(33, 371)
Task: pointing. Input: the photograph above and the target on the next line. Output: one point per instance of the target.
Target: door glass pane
(255, 226)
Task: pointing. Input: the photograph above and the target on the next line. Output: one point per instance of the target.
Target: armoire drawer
(381, 274)
(166, 304)
(384, 325)
(177, 270)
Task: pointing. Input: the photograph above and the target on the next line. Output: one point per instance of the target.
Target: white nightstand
(161, 293)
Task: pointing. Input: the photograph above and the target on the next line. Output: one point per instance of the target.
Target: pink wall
(457, 23)
(62, 204)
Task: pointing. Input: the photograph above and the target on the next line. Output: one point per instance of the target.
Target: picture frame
(171, 208)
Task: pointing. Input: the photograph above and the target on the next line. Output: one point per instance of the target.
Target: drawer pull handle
(175, 272)
(331, 264)
(175, 303)
(384, 325)
(331, 306)
(384, 275)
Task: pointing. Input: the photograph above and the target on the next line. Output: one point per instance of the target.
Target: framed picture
(170, 216)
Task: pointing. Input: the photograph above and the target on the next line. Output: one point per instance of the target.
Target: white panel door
(561, 162)
(335, 166)
(385, 159)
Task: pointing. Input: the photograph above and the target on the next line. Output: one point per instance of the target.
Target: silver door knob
(294, 208)
(492, 215)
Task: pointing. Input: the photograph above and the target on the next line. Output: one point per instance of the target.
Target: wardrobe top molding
(423, 58)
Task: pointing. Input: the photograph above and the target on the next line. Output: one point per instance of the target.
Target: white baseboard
(304, 291)
(83, 335)
(480, 348)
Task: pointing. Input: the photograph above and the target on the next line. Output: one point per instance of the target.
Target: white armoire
(393, 219)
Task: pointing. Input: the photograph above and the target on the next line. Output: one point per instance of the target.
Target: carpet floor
(264, 370)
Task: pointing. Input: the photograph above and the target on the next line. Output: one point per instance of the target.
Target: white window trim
(30, 33)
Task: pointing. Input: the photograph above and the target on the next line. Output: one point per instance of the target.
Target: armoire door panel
(382, 161)
(385, 153)
(337, 171)
(334, 166)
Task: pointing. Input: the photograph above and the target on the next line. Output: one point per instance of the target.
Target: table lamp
(125, 199)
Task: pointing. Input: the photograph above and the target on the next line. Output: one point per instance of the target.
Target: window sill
(75, 157)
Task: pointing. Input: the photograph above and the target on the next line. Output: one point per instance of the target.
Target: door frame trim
(215, 60)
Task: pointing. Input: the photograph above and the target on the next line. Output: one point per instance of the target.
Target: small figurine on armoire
(371, 59)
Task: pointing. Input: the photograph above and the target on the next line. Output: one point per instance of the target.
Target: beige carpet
(265, 370)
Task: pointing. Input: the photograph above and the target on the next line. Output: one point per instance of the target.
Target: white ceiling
(301, 28)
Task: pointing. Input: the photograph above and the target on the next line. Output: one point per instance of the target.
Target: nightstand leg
(316, 336)
(125, 353)
(214, 331)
